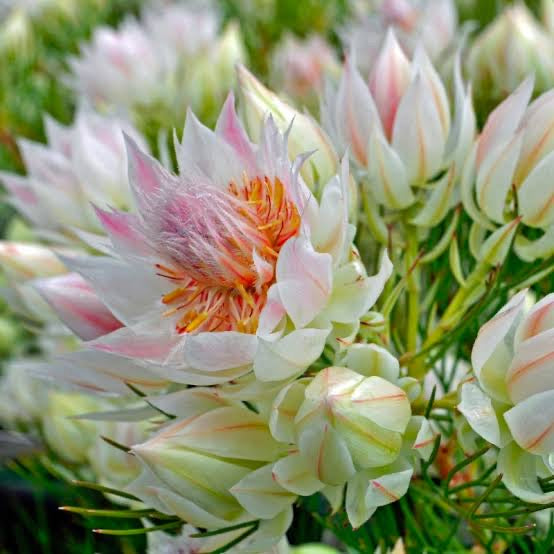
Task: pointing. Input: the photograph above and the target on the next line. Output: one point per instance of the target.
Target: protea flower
(171, 59)
(230, 266)
(81, 164)
(119, 67)
(510, 403)
(513, 46)
(508, 174)
(430, 22)
(399, 130)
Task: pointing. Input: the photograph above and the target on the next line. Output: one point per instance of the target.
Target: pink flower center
(227, 255)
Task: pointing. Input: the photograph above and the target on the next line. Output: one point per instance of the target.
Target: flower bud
(348, 422)
(113, 467)
(512, 403)
(201, 458)
(305, 134)
(508, 174)
(300, 66)
(69, 438)
(513, 46)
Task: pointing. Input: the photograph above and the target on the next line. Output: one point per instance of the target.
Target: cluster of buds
(510, 401)
(400, 132)
(173, 58)
(507, 178)
(349, 425)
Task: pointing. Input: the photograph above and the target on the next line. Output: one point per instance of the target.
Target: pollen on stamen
(219, 284)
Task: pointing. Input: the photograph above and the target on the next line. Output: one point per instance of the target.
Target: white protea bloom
(431, 22)
(81, 164)
(300, 67)
(120, 67)
(173, 58)
(508, 174)
(513, 46)
(230, 266)
(354, 427)
(511, 401)
(399, 130)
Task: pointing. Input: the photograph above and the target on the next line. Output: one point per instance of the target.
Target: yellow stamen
(247, 297)
(173, 295)
(196, 322)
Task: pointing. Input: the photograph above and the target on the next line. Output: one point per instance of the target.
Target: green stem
(412, 274)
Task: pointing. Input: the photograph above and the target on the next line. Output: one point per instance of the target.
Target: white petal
(261, 495)
(417, 133)
(532, 423)
(371, 359)
(387, 174)
(477, 408)
(77, 306)
(495, 177)
(383, 403)
(295, 475)
(519, 474)
(493, 349)
(323, 448)
(540, 318)
(504, 120)
(356, 112)
(289, 356)
(132, 292)
(353, 293)
(304, 278)
(212, 352)
(536, 194)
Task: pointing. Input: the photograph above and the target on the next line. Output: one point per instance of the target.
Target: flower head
(132, 68)
(511, 404)
(81, 164)
(233, 263)
(351, 426)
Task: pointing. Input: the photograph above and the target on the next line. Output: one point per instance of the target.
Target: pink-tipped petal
(77, 305)
(389, 80)
(229, 127)
(356, 113)
(504, 120)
